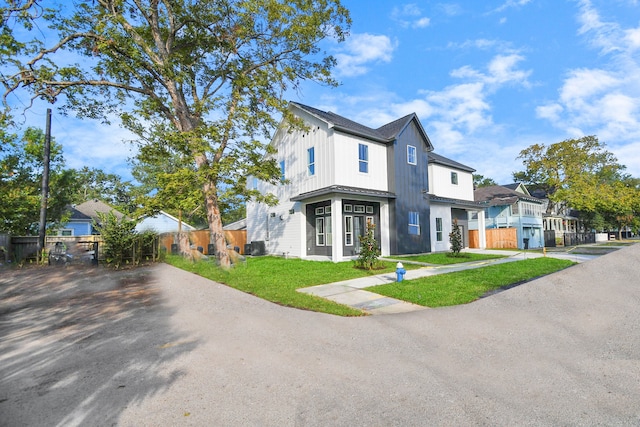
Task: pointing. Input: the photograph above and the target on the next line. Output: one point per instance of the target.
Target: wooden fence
(497, 238)
(20, 248)
(201, 238)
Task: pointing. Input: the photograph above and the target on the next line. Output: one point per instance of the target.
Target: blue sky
(486, 78)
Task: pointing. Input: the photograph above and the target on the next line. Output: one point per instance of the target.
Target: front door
(356, 216)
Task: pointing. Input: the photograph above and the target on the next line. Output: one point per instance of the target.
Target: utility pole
(45, 187)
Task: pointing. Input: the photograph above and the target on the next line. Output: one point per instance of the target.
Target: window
(282, 177)
(358, 209)
(439, 229)
(414, 223)
(311, 161)
(66, 233)
(363, 158)
(320, 210)
(348, 208)
(320, 231)
(454, 178)
(348, 231)
(412, 158)
(369, 209)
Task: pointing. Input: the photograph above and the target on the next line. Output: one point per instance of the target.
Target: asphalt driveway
(158, 346)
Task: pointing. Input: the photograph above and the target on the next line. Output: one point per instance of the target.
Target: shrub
(455, 238)
(369, 250)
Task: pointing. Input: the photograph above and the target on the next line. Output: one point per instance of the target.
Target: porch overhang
(466, 204)
(347, 191)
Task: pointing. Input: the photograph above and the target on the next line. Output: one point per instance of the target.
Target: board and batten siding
(440, 183)
(409, 183)
(346, 163)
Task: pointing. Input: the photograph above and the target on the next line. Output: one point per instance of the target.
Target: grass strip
(446, 258)
(277, 279)
(463, 287)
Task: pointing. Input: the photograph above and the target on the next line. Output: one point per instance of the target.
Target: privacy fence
(77, 249)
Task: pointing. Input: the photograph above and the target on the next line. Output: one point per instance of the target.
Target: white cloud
(361, 50)
(511, 4)
(410, 16)
(602, 101)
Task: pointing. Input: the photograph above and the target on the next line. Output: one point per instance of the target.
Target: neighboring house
(84, 217)
(338, 176)
(559, 217)
(162, 222)
(511, 206)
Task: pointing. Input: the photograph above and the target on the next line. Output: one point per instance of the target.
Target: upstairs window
(454, 178)
(414, 223)
(282, 177)
(363, 158)
(311, 161)
(412, 156)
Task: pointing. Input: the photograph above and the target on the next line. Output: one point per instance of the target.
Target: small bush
(369, 250)
(455, 238)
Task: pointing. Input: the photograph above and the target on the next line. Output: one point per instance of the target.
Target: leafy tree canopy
(206, 77)
(584, 175)
(92, 183)
(481, 181)
(21, 166)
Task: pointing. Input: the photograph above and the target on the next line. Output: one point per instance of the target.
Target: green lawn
(446, 258)
(277, 279)
(466, 286)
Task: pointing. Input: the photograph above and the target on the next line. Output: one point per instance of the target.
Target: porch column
(336, 232)
(482, 230)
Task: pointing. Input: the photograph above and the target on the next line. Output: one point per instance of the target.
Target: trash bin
(526, 242)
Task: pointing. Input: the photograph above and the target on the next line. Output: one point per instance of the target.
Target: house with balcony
(338, 176)
(512, 206)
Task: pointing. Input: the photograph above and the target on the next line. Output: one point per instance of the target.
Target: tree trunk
(215, 226)
(183, 245)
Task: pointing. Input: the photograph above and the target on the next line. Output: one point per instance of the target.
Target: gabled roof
(441, 160)
(386, 133)
(519, 187)
(498, 195)
(89, 210)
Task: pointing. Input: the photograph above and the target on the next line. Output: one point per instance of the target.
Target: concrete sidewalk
(351, 293)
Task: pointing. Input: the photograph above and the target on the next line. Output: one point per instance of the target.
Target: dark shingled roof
(343, 189)
(437, 158)
(90, 209)
(387, 133)
(498, 195)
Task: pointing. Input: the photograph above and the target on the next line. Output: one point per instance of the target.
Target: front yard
(277, 279)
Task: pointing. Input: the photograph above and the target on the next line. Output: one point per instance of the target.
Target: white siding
(161, 223)
(444, 212)
(347, 168)
(440, 183)
(336, 163)
(283, 232)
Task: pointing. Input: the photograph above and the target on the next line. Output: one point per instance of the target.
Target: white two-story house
(338, 176)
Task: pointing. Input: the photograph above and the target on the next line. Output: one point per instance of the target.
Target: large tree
(584, 175)
(21, 167)
(569, 171)
(207, 77)
(95, 183)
